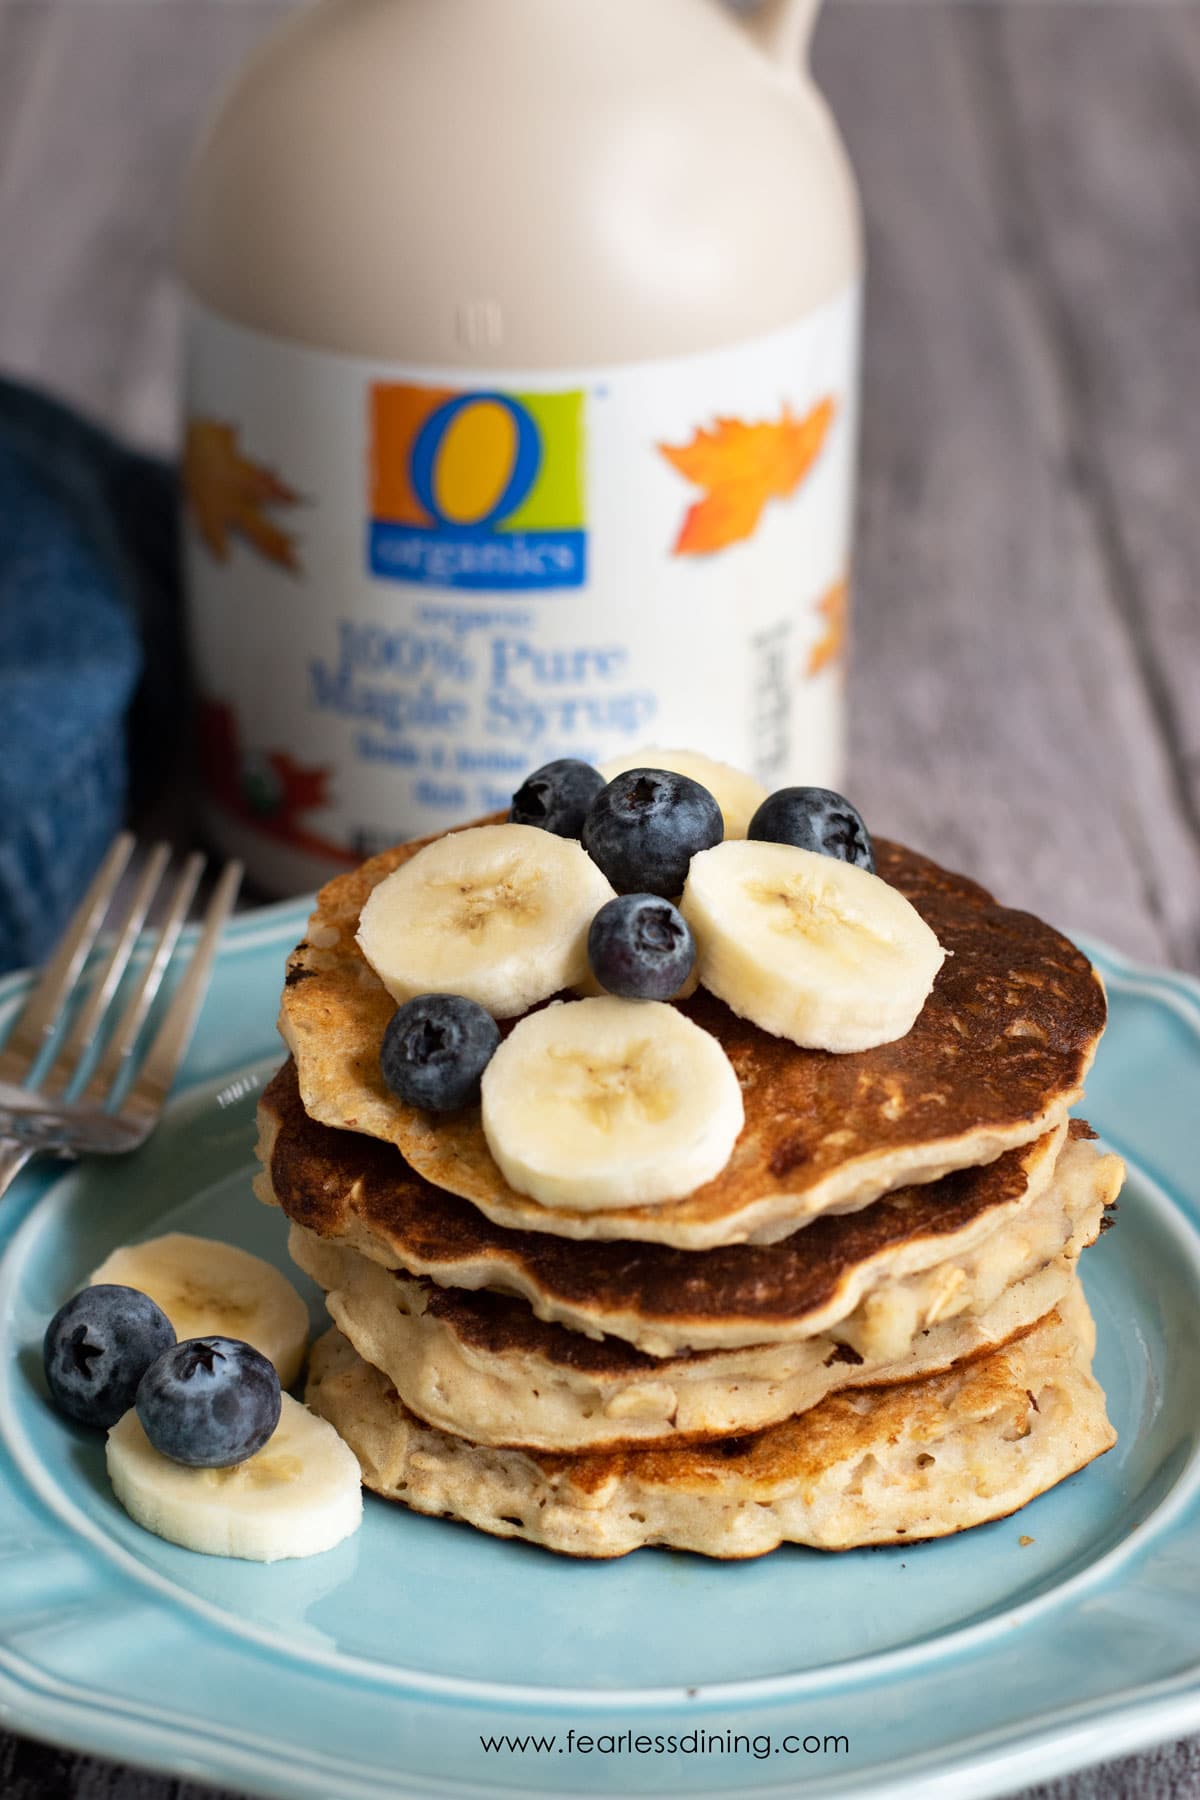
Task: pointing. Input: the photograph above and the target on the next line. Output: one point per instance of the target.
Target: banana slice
(207, 1288)
(301, 1493)
(601, 1103)
(737, 794)
(808, 947)
(499, 914)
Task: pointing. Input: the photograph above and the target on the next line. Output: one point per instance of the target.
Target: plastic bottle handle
(782, 28)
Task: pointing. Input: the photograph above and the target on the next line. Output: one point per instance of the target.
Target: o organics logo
(476, 490)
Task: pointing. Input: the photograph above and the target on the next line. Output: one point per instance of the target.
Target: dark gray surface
(1027, 657)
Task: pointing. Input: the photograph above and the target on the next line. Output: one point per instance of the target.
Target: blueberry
(817, 819)
(97, 1348)
(641, 948)
(644, 828)
(209, 1402)
(435, 1049)
(556, 797)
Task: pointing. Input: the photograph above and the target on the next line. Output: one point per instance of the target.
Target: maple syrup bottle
(522, 383)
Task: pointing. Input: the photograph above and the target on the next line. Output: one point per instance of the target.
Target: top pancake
(998, 1054)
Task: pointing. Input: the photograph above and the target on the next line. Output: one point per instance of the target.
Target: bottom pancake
(873, 1466)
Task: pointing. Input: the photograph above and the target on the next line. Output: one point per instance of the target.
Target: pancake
(996, 1057)
(482, 1366)
(353, 1191)
(575, 1398)
(871, 1466)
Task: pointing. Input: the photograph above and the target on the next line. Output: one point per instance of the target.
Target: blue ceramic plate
(388, 1665)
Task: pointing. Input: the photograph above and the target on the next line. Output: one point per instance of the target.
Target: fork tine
(153, 1081)
(86, 1027)
(123, 1039)
(44, 1007)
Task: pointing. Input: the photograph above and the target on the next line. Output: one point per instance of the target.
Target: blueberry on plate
(435, 1050)
(209, 1402)
(814, 818)
(644, 828)
(641, 948)
(97, 1348)
(556, 797)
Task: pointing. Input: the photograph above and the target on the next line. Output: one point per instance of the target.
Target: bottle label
(410, 586)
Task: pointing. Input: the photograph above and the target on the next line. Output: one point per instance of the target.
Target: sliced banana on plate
(808, 947)
(738, 795)
(210, 1289)
(499, 914)
(300, 1494)
(600, 1103)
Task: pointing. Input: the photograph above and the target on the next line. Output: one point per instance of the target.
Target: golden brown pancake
(356, 1191)
(872, 1466)
(996, 1057)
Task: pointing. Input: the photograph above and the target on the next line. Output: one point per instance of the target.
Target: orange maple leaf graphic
(228, 493)
(833, 607)
(741, 467)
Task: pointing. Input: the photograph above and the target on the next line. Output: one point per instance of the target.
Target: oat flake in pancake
(998, 1054)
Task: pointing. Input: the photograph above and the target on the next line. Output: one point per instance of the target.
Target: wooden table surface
(1027, 657)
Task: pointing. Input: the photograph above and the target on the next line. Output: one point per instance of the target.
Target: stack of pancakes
(868, 1328)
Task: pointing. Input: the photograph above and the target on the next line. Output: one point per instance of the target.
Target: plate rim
(980, 1767)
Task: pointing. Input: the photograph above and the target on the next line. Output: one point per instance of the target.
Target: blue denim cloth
(88, 623)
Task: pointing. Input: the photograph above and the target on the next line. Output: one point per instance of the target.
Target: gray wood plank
(1102, 206)
(1001, 715)
(103, 100)
(30, 1771)
(1171, 1772)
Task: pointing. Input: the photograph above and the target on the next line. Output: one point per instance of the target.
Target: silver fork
(41, 1118)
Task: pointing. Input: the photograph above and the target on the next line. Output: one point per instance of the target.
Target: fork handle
(13, 1157)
